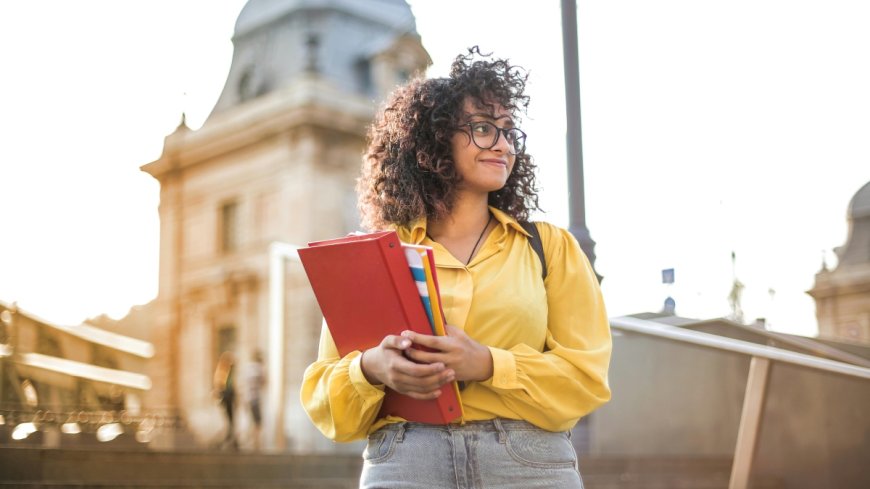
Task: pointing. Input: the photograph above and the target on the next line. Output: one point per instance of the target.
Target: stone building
(843, 294)
(72, 385)
(276, 161)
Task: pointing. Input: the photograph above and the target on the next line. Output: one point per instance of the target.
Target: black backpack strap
(537, 245)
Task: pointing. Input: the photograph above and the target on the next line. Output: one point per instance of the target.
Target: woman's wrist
(366, 369)
(486, 364)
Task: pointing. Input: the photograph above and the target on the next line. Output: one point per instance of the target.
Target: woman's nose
(501, 143)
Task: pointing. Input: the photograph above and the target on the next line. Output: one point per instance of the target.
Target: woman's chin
(483, 187)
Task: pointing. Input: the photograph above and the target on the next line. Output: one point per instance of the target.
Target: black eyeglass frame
(517, 147)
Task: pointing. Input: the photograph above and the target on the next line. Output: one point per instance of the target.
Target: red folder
(365, 291)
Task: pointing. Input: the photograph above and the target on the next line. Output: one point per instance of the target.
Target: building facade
(73, 386)
(842, 295)
(275, 162)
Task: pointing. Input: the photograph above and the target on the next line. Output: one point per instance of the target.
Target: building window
(363, 70)
(403, 76)
(229, 227)
(103, 357)
(246, 91)
(47, 343)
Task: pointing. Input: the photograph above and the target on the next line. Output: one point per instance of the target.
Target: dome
(257, 13)
(856, 251)
(859, 207)
(277, 41)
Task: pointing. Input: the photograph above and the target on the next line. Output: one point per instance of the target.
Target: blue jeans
(483, 454)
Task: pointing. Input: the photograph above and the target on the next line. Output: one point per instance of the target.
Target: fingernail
(405, 343)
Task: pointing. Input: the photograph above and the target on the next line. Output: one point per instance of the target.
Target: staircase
(27, 467)
(99, 469)
(663, 473)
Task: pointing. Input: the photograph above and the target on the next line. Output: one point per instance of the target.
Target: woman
(224, 384)
(446, 167)
(255, 381)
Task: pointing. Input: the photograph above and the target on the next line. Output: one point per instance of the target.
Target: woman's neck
(468, 217)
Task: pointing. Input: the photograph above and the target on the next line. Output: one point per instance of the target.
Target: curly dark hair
(408, 170)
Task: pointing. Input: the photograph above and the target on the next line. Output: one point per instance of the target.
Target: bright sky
(707, 127)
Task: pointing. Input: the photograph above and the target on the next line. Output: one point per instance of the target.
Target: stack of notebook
(370, 286)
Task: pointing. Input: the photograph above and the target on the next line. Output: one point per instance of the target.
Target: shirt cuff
(504, 369)
(358, 379)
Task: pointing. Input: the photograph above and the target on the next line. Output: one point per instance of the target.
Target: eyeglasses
(485, 135)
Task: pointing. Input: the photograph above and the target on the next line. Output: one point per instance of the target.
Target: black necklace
(475, 244)
(478, 240)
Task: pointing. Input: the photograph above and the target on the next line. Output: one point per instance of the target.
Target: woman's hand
(457, 351)
(387, 364)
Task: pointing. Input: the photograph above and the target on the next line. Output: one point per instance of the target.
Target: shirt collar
(507, 221)
(416, 231)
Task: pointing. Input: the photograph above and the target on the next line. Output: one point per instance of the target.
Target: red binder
(365, 291)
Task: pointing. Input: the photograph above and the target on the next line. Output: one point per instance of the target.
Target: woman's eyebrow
(485, 115)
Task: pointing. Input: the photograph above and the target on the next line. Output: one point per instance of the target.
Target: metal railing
(756, 385)
(107, 423)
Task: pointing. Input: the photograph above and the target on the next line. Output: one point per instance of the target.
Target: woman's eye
(482, 128)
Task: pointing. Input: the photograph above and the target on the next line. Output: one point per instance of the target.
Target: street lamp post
(576, 195)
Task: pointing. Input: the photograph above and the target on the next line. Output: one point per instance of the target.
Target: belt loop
(400, 436)
(502, 436)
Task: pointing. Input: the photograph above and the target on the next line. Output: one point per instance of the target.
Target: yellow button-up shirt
(550, 340)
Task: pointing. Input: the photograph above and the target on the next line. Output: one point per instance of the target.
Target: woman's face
(483, 170)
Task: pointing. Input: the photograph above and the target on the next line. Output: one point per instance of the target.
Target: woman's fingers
(413, 388)
(427, 340)
(408, 377)
(427, 357)
(395, 342)
(424, 396)
(454, 331)
(468, 359)
(447, 349)
(393, 363)
(425, 376)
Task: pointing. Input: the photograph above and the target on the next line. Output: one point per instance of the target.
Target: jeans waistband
(497, 424)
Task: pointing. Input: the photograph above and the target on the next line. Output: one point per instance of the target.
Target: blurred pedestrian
(225, 391)
(254, 380)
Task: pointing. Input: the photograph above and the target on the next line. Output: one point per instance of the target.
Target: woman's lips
(494, 161)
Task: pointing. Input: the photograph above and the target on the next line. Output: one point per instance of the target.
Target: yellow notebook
(436, 312)
(434, 296)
